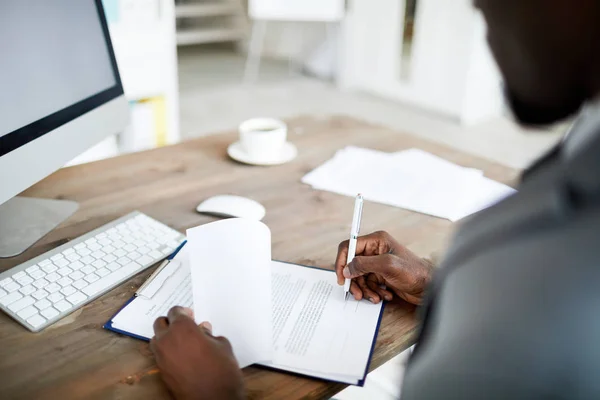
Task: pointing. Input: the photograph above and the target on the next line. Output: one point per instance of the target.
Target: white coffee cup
(263, 138)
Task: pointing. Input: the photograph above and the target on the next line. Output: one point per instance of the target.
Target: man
(514, 311)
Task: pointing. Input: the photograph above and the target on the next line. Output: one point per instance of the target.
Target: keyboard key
(40, 283)
(25, 280)
(11, 287)
(104, 242)
(50, 312)
(88, 269)
(43, 263)
(102, 272)
(112, 279)
(63, 306)
(73, 257)
(10, 298)
(77, 298)
(145, 260)
(4, 292)
(98, 254)
(57, 257)
(101, 235)
(155, 254)
(42, 304)
(124, 260)
(53, 287)
(134, 255)
(68, 251)
(168, 250)
(84, 252)
(36, 320)
(99, 263)
(94, 246)
(77, 275)
(90, 241)
(26, 290)
(119, 253)
(76, 265)
(49, 268)
(128, 240)
(68, 290)
(5, 282)
(118, 244)
(64, 281)
(111, 232)
(21, 304)
(32, 268)
(113, 266)
(87, 260)
(37, 274)
(129, 247)
(61, 263)
(143, 250)
(139, 243)
(55, 297)
(79, 246)
(154, 245)
(53, 277)
(40, 294)
(109, 258)
(80, 284)
(27, 312)
(92, 278)
(65, 271)
(19, 275)
(108, 249)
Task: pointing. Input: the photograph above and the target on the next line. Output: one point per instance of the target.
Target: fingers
(161, 325)
(207, 327)
(340, 261)
(356, 291)
(374, 285)
(368, 293)
(361, 265)
(179, 314)
(373, 244)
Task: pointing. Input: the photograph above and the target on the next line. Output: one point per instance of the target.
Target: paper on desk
(231, 277)
(315, 331)
(411, 179)
(176, 290)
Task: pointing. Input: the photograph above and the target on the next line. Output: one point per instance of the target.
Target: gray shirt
(514, 310)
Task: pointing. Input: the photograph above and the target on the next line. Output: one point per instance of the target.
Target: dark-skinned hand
(380, 260)
(193, 363)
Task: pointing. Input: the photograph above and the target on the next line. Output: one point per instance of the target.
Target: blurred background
(198, 67)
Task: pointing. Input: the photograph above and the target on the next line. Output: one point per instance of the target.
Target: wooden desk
(77, 359)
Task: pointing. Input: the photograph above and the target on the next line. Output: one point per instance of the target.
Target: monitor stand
(24, 221)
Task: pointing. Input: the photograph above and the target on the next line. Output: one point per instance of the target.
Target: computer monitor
(60, 93)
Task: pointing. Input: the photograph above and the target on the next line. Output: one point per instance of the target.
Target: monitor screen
(57, 64)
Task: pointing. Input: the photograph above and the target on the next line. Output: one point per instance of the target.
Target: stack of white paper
(411, 179)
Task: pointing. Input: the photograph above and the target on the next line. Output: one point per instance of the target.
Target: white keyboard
(45, 289)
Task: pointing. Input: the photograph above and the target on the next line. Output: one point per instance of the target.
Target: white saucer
(237, 152)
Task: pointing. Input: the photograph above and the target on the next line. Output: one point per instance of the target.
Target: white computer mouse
(232, 206)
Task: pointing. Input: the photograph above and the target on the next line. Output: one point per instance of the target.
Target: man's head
(548, 52)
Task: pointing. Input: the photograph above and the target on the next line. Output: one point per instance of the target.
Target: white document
(316, 332)
(410, 179)
(175, 290)
(231, 277)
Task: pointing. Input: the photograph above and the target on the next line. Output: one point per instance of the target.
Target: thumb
(362, 265)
